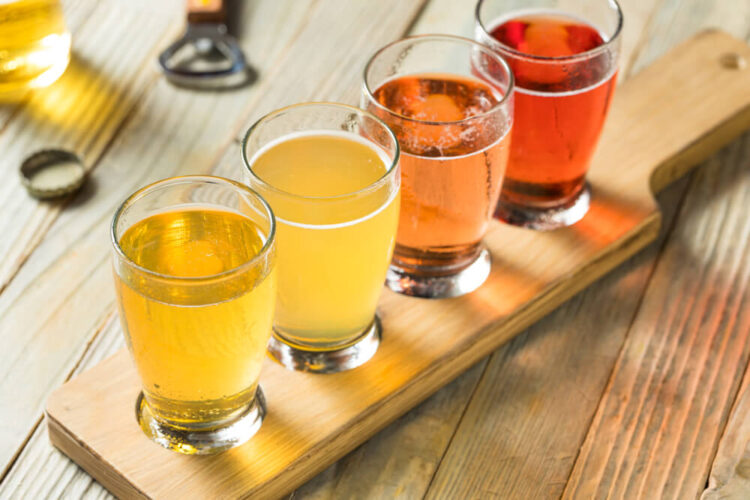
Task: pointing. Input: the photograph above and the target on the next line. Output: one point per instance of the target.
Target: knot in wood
(733, 60)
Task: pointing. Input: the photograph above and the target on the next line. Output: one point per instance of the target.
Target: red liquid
(450, 172)
(560, 107)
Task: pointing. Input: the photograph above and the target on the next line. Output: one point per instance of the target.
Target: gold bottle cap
(51, 173)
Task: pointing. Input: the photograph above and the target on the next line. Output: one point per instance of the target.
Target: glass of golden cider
(34, 44)
(194, 266)
(330, 172)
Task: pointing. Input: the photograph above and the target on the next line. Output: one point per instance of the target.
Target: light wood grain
(426, 343)
(674, 383)
(82, 111)
(63, 293)
(41, 471)
(171, 132)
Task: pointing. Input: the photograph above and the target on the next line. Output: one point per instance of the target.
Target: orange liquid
(450, 172)
(560, 107)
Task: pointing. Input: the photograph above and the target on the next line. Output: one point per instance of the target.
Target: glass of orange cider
(449, 100)
(194, 266)
(330, 172)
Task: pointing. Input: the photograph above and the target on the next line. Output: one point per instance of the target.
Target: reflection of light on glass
(34, 45)
(56, 57)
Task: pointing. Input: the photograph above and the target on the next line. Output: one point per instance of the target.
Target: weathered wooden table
(637, 387)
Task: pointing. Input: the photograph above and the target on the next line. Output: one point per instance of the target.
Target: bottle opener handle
(207, 34)
(206, 11)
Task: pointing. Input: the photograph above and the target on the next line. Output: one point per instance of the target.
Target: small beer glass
(564, 56)
(330, 172)
(194, 265)
(449, 100)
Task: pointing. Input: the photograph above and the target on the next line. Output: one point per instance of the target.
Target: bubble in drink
(452, 163)
(560, 105)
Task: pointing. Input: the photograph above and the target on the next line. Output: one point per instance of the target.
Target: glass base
(546, 218)
(207, 439)
(440, 287)
(343, 358)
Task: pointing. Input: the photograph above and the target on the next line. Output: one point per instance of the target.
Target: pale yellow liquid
(333, 254)
(198, 345)
(34, 44)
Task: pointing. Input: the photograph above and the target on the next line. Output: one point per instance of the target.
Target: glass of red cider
(564, 58)
(449, 101)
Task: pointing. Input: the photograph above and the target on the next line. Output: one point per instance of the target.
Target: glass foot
(346, 357)
(440, 287)
(207, 439)
(545, 219)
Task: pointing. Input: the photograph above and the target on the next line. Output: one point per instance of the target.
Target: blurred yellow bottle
(34, 44)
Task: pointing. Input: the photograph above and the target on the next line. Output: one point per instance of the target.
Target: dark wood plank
(658, 425)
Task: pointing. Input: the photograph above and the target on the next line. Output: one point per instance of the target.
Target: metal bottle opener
(206, 57)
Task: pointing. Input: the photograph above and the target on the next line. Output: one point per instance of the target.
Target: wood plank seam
(715, 444)
(643, 39)
(6, 470)
(668, 231)
(458, 424)
(416, 18)
(72, 372)
(237, 135)
(694, 334)
(732, 407)
(91, 165)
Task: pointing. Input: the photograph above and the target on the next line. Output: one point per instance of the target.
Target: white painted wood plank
(82, 111)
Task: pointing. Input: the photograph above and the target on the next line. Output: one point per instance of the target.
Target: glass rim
(194, 179)
(553, 59)
(446, 38)
(370, 187)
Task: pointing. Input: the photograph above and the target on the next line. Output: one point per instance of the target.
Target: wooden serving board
(663, 121)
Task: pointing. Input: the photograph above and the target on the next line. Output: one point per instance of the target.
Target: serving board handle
(697, 99)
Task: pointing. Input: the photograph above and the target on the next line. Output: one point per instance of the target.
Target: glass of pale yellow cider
(34, 44)
(194, 266)
(331, 174)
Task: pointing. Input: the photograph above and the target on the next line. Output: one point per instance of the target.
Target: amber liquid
(452, 166)
(34, 44)
(560, 107)
(198, 344)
